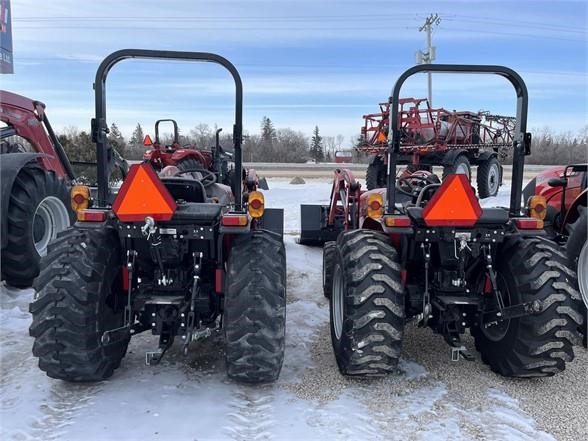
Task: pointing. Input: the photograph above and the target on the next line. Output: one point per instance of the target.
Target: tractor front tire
(540, 344)
(329, 257)
(367, 304)
(488, 178)
(255, 308)
(79, 297)
(577, 252)
(38, 209)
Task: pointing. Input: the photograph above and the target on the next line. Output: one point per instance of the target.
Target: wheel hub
(337, 302)
(583, 273)
(50, 218)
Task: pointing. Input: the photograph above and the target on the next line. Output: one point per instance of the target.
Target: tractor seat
(188, 189)
(490, 216)
(199, 213)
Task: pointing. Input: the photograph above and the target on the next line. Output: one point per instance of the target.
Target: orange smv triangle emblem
(454, 204)
(143, 194)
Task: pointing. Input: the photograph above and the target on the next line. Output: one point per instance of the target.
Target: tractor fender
(180, 154)
(10, 166)
(451, 155)
(573, 213)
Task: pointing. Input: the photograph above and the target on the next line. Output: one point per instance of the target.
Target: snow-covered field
(190, 398)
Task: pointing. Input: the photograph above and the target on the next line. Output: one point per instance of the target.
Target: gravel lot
(189, 398)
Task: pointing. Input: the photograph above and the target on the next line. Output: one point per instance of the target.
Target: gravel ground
(466, 394)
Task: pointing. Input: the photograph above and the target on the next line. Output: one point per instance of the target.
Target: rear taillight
(397, 221)
(91, 216)
(528, 223)
(234, 220)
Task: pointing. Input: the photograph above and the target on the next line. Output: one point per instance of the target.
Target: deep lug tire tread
(536, 345)
(329, 257)
(70, 312)
(255, 308)
(20, 259)
(373, 317)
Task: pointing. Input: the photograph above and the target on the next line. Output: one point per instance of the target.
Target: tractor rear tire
(461, 165)
(189, 163)
(255, 308)
(577, 252)
(488, 178)
(536, 345)
(79, 297)
(367, 304)
(375, 176)
(329, 257)
(39, 208)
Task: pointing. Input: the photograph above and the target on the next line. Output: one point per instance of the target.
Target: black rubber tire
(537, 345)
(375, 175)
(578, 232)
(452, 169)
(188, 163)
(79, 297)
(329, 257)
(487, 170)
(20, 259)
(372, 304)
(255, 308)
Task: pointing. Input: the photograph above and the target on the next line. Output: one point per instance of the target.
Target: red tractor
(175, 154)
(36, 176)
(177, 255)
(438, 137)
(563, 190)
(189, 157)
(423, 250)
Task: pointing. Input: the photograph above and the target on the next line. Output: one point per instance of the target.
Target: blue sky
(303, 63)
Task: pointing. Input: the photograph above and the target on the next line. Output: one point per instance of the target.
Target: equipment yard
(190, 397)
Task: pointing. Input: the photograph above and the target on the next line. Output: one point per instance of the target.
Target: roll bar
(176, 132)
(104, 153)
(521, 139)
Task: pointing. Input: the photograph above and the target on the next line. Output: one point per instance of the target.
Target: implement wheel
(488, 178)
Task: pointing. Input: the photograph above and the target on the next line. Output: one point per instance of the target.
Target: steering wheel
(408, 184)
(207, 179)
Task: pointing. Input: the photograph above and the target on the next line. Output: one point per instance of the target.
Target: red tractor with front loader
(178, 255)
(424, 250)
(36, 177)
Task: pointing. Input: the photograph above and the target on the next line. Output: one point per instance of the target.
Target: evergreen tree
(116, 140)
(316, 146)
(137, 137)
(268, 132)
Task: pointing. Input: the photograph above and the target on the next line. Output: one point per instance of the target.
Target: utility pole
(430, 54)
